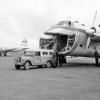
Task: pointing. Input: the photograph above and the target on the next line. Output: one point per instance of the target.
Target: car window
(50, 53)
(45, 53)
(37, 53)
(29, 53)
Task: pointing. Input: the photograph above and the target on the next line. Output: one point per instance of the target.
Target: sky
(29, 19)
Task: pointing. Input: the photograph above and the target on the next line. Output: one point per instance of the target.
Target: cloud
(20, 19)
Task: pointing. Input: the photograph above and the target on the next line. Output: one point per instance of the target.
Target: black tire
(27, 65)
(44, 66)
(48, 64)
(17, 67)
(54, 66)
(40, 66)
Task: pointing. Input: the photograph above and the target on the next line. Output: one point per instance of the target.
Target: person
(62, 60)
(55, 59)
(96, 55)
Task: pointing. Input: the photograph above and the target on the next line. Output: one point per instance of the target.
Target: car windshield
(29, 53)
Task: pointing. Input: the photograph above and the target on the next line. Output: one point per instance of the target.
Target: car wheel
(49, 64)
(17, 66)
(27, 66)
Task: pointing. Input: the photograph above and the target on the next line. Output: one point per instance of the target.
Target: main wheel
(49, 64)
(17, 66)
(27, 66)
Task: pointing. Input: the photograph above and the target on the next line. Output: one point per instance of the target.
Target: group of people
(58, 59)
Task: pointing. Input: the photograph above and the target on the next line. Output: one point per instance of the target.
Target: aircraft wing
(16, 49)
(95, 38)
(6, 50)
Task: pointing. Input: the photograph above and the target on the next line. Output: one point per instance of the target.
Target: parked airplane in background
(71, 40)
(5, 50)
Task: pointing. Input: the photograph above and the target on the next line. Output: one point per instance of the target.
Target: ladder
(71, 40)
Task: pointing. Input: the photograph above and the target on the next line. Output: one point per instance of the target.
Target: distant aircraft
(24, 45)
(74, 41)
(4, 51)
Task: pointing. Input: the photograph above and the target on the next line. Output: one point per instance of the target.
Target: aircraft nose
(64, 34)
(59, 31)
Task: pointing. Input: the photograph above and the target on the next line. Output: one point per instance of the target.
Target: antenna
(94, 18)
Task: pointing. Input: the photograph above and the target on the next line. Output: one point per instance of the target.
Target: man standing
(55, 59)
(96, 55)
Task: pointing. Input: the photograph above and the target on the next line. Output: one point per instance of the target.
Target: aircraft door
(60, 43)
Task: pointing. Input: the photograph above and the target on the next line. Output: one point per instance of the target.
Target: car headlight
(19, 59)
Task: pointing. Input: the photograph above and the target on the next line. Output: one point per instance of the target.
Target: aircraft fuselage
(71, 41)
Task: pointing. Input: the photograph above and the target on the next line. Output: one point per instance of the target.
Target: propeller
(88, 42)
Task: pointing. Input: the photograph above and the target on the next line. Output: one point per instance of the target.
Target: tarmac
(79, 79)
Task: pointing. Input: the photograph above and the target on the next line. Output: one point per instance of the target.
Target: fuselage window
(81, 45)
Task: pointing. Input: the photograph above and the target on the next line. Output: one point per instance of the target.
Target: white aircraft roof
(54, 31)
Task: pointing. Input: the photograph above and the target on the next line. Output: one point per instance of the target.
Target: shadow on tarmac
(75, 64)
(70, 65)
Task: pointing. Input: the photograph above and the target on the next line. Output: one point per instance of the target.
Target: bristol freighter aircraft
(74, 41)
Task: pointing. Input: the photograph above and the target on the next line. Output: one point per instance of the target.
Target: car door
(44, 57)
(37, 58)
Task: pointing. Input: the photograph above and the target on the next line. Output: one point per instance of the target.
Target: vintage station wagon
(35, 58)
